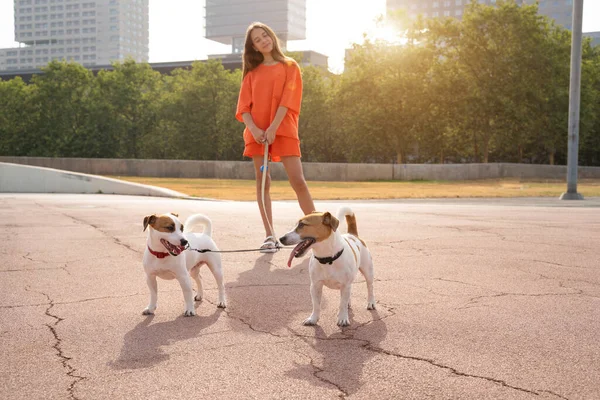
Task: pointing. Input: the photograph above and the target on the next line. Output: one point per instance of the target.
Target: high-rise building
(560, 10)
(227, 20)
(91, 32)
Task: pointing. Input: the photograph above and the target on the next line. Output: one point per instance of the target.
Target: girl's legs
(268, 218)
(293, 167)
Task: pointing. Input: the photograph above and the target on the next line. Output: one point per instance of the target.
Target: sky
(177, 28)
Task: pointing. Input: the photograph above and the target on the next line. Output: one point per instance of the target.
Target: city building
(227, 20)
(91, 32)
(560, 10)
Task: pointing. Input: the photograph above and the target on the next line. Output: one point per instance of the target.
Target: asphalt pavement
(476, 299)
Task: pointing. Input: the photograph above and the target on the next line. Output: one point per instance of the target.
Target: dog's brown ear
(175, 214)
(330, 220)
(149, 220)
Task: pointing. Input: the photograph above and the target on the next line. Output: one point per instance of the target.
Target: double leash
(278, 245)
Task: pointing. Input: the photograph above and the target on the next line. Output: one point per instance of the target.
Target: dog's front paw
(343, 321)
(310, 321)
(371, 306)
(147, 311)
(198, 297)
(221, 304)
(189, 313)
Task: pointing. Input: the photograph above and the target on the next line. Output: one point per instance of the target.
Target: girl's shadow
(268, 297)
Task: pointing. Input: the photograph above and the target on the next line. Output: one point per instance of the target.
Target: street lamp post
(574, 99)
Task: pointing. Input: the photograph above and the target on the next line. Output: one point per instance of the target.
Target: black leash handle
(224, 251)
(233, 251)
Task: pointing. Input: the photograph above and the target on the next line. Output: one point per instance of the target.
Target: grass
(229, 189)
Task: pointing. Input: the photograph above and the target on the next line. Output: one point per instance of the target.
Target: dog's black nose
(184, 242)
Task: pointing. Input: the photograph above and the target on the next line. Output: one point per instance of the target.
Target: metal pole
(574, 99)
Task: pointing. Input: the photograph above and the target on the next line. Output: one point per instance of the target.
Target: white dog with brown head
(166, 257)
(335, 261)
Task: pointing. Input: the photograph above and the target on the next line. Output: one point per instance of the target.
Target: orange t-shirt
(264, 89)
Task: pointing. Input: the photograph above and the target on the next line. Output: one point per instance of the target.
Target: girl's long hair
(253, 58)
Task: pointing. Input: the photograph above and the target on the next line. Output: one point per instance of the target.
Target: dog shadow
(144, 345)
(276, 300)
(338, 359)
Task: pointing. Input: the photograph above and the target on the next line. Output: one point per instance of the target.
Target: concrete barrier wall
(16, 178)
(312, 171)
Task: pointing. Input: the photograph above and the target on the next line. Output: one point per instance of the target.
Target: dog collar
(329, 260)
(157, 254)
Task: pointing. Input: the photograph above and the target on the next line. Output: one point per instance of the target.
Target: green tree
(18, 117)
(199, 111)
(320, 136)
(130, 94)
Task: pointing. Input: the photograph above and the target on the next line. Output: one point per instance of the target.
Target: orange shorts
(282, 146)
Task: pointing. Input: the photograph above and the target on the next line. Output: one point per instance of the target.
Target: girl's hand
(259, 135)
(270, 134)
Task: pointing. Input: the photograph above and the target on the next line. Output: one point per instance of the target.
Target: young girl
(269, 105)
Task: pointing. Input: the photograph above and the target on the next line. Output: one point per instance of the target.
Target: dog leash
(278, 246)
(223, 251)
(231, 251)
(263, 170)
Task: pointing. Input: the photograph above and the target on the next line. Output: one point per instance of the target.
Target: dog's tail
(197, 220)
(350, 219)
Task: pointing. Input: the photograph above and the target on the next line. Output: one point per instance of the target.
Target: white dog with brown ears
(335, 261)
(165, 257)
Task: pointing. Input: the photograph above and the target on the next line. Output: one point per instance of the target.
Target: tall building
(560, 10)
(91, 32)
(227, 20)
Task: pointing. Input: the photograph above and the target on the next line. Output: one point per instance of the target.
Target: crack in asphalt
(348, 335)
(240, 319)
(31, 270)
(73, 302)
(71, 371)
(555, 264)
(474, 300)
(369, 346)
(461, 229)
(454, 281)
(554, 394)
(568, 246)
(560, 281)
(316, 371)
(448, 368)
(115, 239)
(431, 291)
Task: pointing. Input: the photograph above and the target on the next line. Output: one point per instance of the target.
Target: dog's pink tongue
(293, 254)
